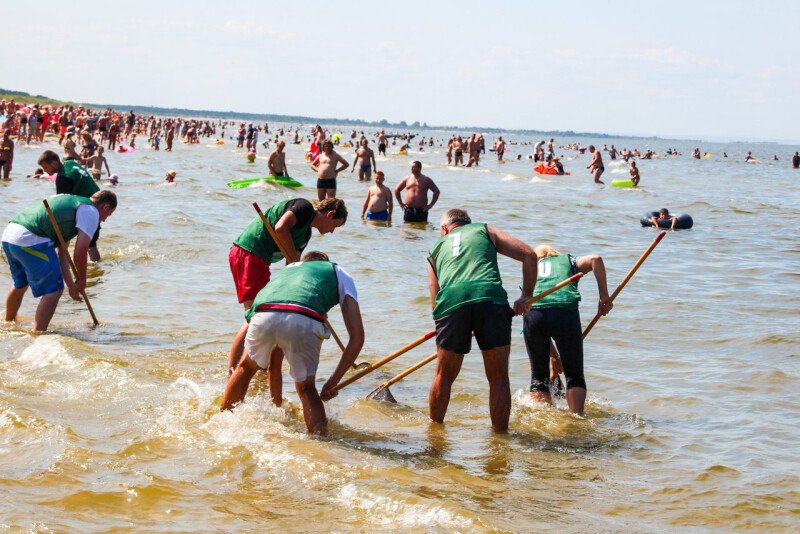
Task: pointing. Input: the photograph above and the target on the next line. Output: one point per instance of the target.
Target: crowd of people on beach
(286, 312)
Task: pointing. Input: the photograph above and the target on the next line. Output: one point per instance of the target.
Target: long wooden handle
(429, 359)
(285, 252)
(627, 278)
(64, 248)
(567, 281)
(384, 361)
(404, 374)
(554, 350)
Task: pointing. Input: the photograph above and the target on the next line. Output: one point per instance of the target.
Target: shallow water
(692, 419)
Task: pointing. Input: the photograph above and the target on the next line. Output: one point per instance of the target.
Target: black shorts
(490, 322)
(329, 183)
(563, 326)
(415, 214)
(96, 235)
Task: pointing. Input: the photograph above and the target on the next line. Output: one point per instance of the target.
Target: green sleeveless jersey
(301, 286)
(37, 221)
(553, 270)
(84, 184)
(465, 262)
(256, 239)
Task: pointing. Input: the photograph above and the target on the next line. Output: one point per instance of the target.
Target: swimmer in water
(365, 159)
(378, 204)
(634, 170)
(663, 215)
(596, 167)
(170, 177)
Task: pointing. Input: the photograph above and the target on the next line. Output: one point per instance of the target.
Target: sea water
(692, 419)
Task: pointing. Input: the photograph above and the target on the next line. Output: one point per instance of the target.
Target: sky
(701, 70)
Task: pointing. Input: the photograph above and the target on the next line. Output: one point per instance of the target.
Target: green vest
(310, 284)
(84, 184)
(256, 239)
(64, 207)
(465, 262)
(553, 270)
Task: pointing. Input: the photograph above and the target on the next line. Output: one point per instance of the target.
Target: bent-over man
(36, 258)
(289, 314)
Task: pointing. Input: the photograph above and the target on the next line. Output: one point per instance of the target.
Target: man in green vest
(289, 314)
(555, 318)
(468, 298)
(72, 178)
(254, 250)
(36, 259)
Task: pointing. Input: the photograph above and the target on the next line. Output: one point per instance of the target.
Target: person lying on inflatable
(663, 215)
(556, 165)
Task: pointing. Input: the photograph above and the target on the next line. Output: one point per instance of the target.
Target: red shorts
(62, 130)
(250, 273)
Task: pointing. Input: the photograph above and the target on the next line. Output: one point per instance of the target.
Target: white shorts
(299, 336)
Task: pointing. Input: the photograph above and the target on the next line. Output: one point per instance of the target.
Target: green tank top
(64, 207)
(310, 284)
(256, 239)
(465, 262)
(553, 270)
(83, 183)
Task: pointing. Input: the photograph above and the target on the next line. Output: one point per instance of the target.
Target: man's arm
(355, 160)
(66, 273)
(433, 284)
(344, 164)
(388, 195)
(595, 263)
(351, 313)
(516, 249)
(271, 164)
(399, 189)
(79, 256)
(374, 163)
(285, 224)
(366, 204)
(435, 195)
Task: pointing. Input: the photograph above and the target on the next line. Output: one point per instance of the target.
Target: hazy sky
(694, 69)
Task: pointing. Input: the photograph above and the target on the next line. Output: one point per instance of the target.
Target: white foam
(47, 351)
(184, 385)
(384, 510)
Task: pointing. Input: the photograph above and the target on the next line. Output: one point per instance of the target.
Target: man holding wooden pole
(468, 298)
(37, 259)
(290, 314)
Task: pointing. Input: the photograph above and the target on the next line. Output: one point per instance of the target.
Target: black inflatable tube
(684, 221)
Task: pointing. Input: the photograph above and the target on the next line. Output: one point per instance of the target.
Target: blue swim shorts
(377, 216)
(36, 266)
